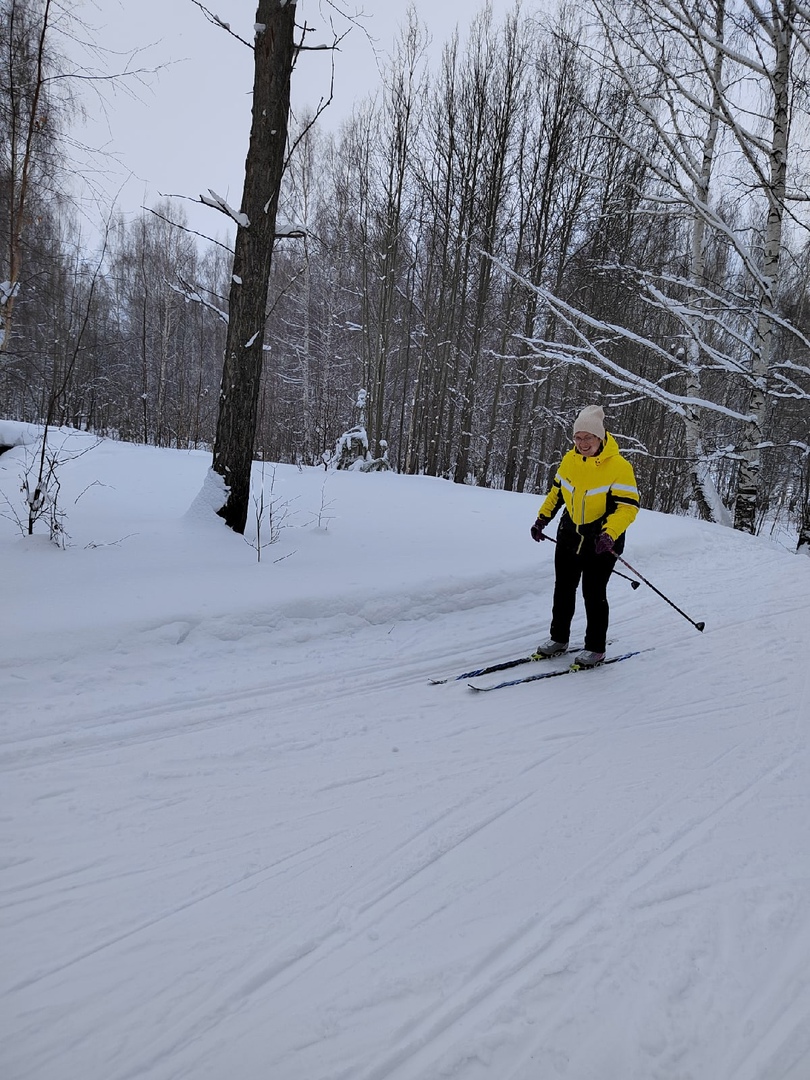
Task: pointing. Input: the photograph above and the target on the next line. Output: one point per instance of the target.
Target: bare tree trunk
(274, 52)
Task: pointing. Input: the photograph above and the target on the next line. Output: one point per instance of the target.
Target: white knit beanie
(592, 420)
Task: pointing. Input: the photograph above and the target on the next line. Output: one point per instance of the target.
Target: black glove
(538, 526)
(604, 543)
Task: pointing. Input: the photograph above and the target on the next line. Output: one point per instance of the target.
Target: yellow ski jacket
(599, 493)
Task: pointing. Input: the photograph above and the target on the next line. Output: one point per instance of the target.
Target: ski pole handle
(633, 583)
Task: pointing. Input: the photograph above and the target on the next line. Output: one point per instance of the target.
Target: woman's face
(587, 444)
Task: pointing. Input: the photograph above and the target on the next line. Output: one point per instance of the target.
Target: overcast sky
(187, 129)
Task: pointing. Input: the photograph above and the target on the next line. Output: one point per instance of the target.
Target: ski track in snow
(267, 848)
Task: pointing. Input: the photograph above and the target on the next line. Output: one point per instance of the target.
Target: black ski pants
(575, 560)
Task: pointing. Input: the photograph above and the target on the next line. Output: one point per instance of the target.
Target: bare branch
(215, 19)
(185, 228)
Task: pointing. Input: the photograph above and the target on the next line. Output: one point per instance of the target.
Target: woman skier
(597, 487)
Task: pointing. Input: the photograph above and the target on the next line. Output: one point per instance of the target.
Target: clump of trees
(606, 205)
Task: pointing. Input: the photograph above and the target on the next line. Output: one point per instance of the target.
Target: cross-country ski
(573, 669)
(502, 665)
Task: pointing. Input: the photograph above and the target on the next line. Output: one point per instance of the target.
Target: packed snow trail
(243, 836)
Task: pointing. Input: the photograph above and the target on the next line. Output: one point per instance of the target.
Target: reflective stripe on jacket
(599, 492)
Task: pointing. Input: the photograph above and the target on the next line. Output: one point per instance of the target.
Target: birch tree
(778, 35)
(705, 78)
(675, 77)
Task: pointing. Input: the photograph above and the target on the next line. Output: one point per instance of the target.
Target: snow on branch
(285, 230)
(194, 296)
(218, 203)
(215, 19)
(591, 358)
(688, 316)
(290, 230)
(680, 309)
(588, 354)
(790, 365)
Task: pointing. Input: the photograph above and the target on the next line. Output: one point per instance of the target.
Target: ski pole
(633, 583)
(698, 625)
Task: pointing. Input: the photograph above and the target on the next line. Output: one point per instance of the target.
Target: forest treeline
(608, 203)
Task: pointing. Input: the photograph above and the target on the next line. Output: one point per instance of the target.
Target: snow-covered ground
(244, 839)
